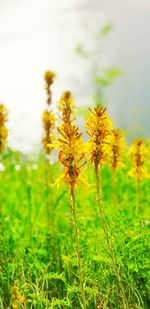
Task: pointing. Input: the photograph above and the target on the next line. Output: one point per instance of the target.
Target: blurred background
(98, 48)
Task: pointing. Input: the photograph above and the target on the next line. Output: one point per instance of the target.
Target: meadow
(74, 233)
(37, 243)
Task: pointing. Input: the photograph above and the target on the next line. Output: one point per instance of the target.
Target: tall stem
(49, 208)
(114, 186)
(138, 196)
(98, 172)
(76, 234)
(47, 190)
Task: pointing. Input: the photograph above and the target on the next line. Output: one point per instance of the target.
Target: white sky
(36, 35)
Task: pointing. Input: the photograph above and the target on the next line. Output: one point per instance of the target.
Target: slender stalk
(105, 226)
(49, 209)
(99, 188)
(27, 175)
(49, 198)
(47, 190)
(138, 196)
(114, 186)
(76, 234)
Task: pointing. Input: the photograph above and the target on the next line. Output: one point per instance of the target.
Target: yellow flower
(48, 125)
(117, 147)
(98, 127)
(48, 117)
(66, 105)
(71, 153)
(49, 79)
(138, 152)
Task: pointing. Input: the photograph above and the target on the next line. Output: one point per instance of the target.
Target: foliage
(38, 267)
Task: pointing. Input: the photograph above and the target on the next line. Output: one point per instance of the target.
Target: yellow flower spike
(48, 117)
(48, 125)
(49, 77)
(117, 148)
(71, 153)
(98, 127)
(66, 106)
(138, 153)
(3, 129)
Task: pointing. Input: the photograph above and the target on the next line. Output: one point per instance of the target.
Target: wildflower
(3, 129)
(138, 153)
(66, 105)
(98, 128)
(48, 125)
(117, 147)
(48, 116)
(72, 158)
(49, 79)
(71, 153)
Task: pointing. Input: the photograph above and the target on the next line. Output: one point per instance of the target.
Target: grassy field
(38, 265)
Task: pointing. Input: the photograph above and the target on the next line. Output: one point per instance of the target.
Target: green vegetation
(38, 265)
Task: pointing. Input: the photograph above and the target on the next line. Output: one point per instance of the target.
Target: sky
(37, 35)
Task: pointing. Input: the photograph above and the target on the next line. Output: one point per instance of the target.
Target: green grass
(37, 249)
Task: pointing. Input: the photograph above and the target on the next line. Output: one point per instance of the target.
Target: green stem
(114, 187)
(47, 190)
(105, 226)
(138, 196)
(49, 209)
(76, 234)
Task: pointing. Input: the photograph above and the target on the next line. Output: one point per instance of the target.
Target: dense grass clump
(38, 265)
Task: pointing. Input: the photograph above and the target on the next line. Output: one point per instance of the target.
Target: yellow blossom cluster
(71, 153)
(48, 125)
(138, 152)
(48, 116)
(49, 79)
(98, 127)
(106, 143)
(66, 106)
(117, 148)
